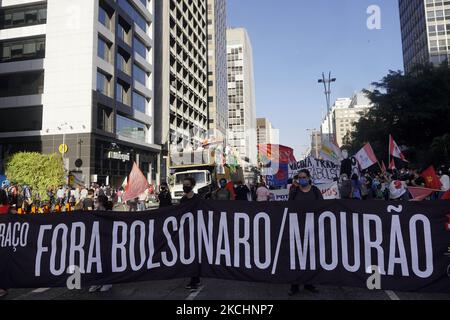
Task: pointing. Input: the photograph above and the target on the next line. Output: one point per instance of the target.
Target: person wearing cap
(398, 191)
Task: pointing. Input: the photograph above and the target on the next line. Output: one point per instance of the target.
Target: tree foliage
(36, 170)
(415, 109)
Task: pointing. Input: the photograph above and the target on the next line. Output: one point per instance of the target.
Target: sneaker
(311, 288)
(3, 293)
(106, 288)
(93, 289)
(293, 290)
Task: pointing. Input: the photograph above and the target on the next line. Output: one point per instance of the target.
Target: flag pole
(389, 151)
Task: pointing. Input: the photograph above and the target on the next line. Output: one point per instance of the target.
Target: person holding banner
(164, 196)
(242, 192)
(102, 205)
(189, 195)
(222, 194)
(304, 192)
(262, 193)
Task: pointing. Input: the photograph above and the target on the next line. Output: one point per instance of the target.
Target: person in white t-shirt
(445, 179)
(262, 193)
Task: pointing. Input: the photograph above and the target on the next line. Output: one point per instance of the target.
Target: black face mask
(187, 189)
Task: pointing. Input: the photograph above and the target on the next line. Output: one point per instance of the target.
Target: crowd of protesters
(23, 200)
(390, 185)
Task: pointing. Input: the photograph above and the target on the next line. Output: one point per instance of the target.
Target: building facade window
(104, 17)
(139, 75)
(131, 129)
(103, 83)
(18, 50)
(30, 119)
(103, 50)
(24, 16)
(134, 14)
(139, 102)
(140, 48)
(122, 93)
(22, 84)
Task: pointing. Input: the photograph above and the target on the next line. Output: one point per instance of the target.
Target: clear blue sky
(294, 41)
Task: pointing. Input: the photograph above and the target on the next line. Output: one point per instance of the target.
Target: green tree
(36, 170)
(415, 109)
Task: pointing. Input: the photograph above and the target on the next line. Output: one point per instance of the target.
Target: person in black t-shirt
(190, 195)
(305, 191)
(164, 197)
(242, 192)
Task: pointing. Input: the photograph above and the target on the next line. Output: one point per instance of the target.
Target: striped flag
(366, 157)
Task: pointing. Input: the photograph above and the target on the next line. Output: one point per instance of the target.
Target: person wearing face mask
(188, 189)
(222, 194)
(102, 204)
(304, 192)
(164, 196)
(190, 195)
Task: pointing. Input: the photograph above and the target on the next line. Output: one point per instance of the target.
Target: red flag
(431, 179)
(419, 194)
(392, 165)
(446, 196)
(276, 153)
(137, 184)
(394, 150)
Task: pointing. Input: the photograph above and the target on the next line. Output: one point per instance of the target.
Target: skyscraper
(265, 132)
(346, 116)
(181, 73)
(425, 26)
(241, 97)
(79, 73)
(217, 67)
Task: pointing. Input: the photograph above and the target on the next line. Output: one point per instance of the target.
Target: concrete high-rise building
(241, 97)
(181, 74)
(217, 67)
(425, 26)
(340, 103)
(79, 73)
(344, 118)
(265, 132)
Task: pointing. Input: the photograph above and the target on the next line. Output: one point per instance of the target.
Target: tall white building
(266, 133)
(345, 117)
(340, 103)
(79, 72)
(181, 75)
(241, 97)
(217, 68)
(425, 27)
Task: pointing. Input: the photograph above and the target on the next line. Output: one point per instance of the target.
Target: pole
(389, 152)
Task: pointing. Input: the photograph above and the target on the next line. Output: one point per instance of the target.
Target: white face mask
(345, 154)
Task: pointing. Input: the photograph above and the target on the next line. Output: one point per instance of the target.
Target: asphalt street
(213, 289)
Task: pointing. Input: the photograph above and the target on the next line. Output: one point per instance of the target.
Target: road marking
(195, 293)
(392, 295)
(40, 290)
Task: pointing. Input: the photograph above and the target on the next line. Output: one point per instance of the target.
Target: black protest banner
(342, 243)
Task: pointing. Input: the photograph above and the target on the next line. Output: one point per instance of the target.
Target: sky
(294, 41)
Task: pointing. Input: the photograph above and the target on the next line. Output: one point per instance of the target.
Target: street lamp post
(327, 87)
(61, 127)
